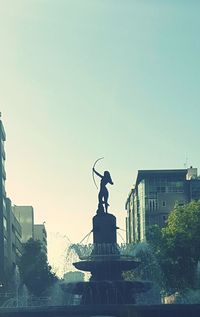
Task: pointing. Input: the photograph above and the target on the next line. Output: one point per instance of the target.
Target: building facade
(14, 234)
(25, 216)
(154, 196)
(16, 226)
(40, 234)
(29, 230)
(10, 229)
(3, 216)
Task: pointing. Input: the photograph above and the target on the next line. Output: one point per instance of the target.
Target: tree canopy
(177, 246)
(35, 271)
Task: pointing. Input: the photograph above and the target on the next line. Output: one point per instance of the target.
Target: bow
(93, 171)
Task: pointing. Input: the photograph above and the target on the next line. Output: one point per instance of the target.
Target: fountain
(106, 265)
(106, 285)
(18, 298)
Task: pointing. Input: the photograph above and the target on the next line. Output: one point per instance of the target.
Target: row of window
(163, 182)
(166, 189)
(154, 206)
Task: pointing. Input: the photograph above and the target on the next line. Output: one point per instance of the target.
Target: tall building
(3, 216)
(10, 229)
(25, 216)
(154, 196)
(16, 225)
(14, 232)
(41, 235)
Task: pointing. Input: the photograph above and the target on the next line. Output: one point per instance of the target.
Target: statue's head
(108, 177)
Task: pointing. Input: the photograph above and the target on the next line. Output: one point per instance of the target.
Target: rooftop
(153, 173)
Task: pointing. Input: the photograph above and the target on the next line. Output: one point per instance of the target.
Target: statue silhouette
(103, 192)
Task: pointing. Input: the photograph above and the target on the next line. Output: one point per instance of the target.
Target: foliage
(148, 269)
(34, 269)
(154, 237)
(177, 246)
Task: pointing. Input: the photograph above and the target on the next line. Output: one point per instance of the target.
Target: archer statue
(103, 192)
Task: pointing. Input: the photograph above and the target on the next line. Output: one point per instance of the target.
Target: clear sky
(82, 79)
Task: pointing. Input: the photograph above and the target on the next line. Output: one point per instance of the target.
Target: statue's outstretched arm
(97, 173)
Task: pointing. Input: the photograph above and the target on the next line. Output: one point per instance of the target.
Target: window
(152, 204)
(13, 228)
(161, 189)
(175, 187)
(5, 243)
(4, 203)
(5, 223)
(163, 203)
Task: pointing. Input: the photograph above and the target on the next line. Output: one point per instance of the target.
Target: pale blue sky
(85, 79)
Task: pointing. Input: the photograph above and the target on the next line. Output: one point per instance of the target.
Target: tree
(178, 246)
(154, 237)
(34, 269)
(181, 242)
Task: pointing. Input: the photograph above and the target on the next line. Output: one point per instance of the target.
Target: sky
(84, 79)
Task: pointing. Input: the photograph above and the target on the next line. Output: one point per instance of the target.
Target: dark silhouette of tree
(35, 271)
(177, 246)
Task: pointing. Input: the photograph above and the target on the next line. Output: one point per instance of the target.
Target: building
(131, 219)
(3, 216)
(25, 216)
(12, 244)
(10, 229)
(194, 184)
(16, 226)
(154, 196)
(14, 233)
(41, 235)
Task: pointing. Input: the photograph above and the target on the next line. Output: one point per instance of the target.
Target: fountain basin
(105, 310)
(106, 268)
(107, 292)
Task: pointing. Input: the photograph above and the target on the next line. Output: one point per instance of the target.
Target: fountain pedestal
(106, 285)
(104, 228)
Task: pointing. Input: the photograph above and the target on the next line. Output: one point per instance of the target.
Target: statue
(103, 192)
